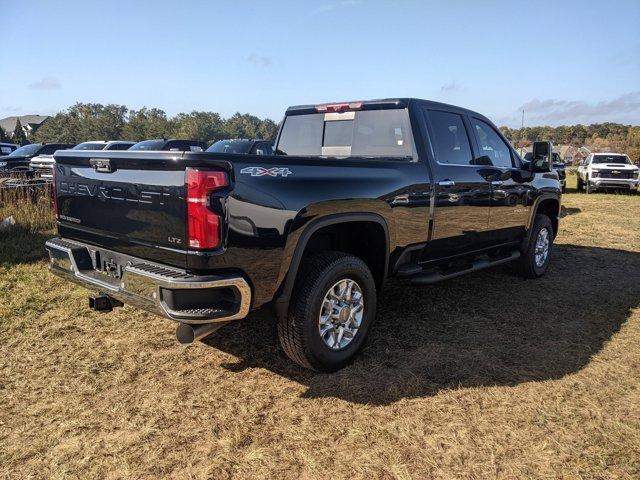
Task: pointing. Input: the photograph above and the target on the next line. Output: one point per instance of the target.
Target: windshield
(610, 159)
(89, 146)
(149, 145)
(230, 146)
(26, 150)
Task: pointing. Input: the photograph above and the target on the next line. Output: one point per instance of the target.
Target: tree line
(598, 137)
(94, 121)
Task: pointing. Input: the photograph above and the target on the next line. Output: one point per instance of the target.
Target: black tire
(299, 332)
(526, 265)
(580, 186)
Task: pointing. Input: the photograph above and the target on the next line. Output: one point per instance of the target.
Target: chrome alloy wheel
(542, 247)
(341, 314)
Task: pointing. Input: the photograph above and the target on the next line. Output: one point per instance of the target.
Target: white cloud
(625, 108)
(260, 60)
(328, 7)
(450, 87)
(48, 83)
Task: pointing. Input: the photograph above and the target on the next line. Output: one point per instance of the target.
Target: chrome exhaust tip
(187, 334)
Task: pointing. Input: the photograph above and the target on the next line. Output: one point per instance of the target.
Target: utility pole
(522, 118)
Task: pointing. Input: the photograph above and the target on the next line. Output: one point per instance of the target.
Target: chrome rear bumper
(153, 287)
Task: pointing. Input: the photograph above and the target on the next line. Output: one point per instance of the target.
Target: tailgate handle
(101, 165)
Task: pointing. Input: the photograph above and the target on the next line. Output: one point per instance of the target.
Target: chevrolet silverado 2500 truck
(355, 193)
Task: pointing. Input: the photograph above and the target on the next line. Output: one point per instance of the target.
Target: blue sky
(565, 62)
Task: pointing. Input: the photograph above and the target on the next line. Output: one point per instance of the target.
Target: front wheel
(333, 307)
(534, 261)
(580, 185)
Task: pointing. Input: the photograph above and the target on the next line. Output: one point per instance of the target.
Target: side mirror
(542, 154)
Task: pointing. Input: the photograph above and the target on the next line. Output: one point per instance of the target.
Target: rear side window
(491, 144)
(367, 133)
(450, 139)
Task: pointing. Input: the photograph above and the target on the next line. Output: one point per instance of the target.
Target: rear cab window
(381, 133)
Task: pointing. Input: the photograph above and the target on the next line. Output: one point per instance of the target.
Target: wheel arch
(306, 239)
(548, 205)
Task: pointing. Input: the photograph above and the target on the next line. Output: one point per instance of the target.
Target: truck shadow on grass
(485, 329)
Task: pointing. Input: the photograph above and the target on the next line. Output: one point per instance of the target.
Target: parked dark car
(7, 148)
(173, 145)
(105, 145)
(18, 160)
(42, 165)
(243, 146)
(356, 193)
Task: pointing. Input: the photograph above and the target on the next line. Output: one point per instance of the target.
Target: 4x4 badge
(271, 172)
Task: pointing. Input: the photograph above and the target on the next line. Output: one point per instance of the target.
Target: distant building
(30, 123)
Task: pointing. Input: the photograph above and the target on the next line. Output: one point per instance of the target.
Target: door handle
(447, 183)
(497, 183)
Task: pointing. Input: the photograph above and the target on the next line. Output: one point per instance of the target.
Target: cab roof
(378, 104)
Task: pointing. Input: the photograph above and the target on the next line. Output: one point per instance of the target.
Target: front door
(462, 189)
(511, 198)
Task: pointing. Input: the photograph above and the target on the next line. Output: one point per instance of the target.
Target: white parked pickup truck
(607, 170)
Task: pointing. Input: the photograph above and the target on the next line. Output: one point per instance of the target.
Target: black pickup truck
(355, 193)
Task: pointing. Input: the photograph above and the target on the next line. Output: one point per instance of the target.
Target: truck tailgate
(129, 202)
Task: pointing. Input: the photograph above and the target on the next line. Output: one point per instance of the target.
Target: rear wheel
(534, 261)
(333, 307)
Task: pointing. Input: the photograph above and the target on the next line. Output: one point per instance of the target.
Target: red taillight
(338, 107)
(203, 224)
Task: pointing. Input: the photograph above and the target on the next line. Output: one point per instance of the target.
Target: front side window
(491, 144)
(450, 140)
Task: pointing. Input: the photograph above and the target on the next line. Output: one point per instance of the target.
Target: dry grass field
(485, 376)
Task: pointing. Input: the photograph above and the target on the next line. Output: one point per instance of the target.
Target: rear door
(462, 189)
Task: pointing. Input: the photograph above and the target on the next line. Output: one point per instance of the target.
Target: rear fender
(285, 290)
